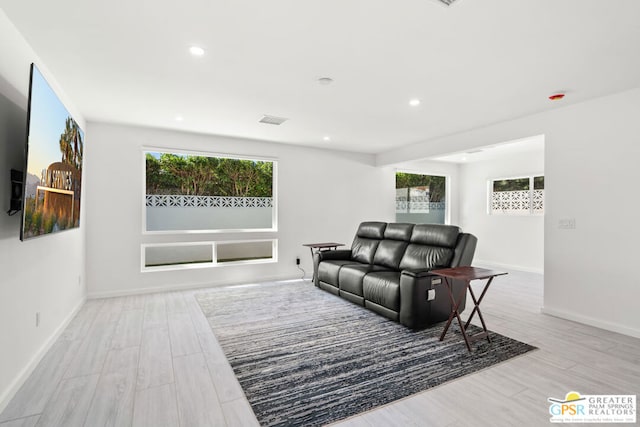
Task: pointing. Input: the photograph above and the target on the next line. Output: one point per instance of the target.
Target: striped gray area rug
(305, 357)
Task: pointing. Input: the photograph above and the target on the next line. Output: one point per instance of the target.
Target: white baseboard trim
(22, 376)
(591, 321)
(493, 264)
(184, 287)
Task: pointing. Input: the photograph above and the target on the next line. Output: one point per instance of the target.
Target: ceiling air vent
(272, 120)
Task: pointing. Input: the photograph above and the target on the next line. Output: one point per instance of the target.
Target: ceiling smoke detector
(272, 120)
(556, 96)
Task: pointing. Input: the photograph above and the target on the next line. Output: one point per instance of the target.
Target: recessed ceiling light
(414, 102)
(196, 51)
(327, 138)
(179, 118)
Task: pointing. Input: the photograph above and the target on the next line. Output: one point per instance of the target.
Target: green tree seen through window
(518, 184)
(436, 184)
(168, 173)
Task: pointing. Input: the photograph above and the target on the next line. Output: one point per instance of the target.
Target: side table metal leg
(314, 278)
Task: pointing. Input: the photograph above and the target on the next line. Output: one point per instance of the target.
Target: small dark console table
(467, 274)
(322, 246)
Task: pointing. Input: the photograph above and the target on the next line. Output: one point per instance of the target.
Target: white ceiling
(471, 64)
(525, 146)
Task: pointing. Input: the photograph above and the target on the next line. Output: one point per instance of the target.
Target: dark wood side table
(467, 274)
(322, 246)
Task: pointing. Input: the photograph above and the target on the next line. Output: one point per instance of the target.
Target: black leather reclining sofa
(388, 269)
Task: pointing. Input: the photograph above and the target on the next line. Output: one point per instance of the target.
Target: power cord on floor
(303, 272)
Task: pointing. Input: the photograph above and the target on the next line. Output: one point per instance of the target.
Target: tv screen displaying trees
(53, 178)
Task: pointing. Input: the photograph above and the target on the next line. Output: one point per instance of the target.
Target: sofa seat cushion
(328, 270)
(383, 288)
(351, 277)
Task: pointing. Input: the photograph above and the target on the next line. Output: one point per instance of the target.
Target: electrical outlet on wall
(297, 260)
(567, 223)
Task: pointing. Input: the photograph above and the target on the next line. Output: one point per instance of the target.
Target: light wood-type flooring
(152, 360)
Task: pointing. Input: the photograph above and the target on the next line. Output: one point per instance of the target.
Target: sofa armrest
(417, 272)
(318, 256)
(334, 254)
(415, 307)
(423, 298)
(421, 272)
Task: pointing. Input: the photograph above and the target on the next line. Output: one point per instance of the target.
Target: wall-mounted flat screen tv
(53, 174)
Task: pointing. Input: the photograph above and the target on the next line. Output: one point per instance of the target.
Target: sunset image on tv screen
(55, 147)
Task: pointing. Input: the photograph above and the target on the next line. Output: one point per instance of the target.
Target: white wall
(40, 275)
(322, 196)
(507, 241)
(591, 175)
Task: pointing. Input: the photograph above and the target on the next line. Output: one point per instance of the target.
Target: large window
(187, 192)
(420, 198)
(517, 196)
(194, 192)
(182, 255)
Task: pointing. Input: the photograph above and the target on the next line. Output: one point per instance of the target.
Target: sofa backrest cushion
(371, 230)
(366, 241)
(425, 256)
(398, 231)
(405, 246)
(363, 249)
(389, 253)
(435, 235)
(432, 246)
